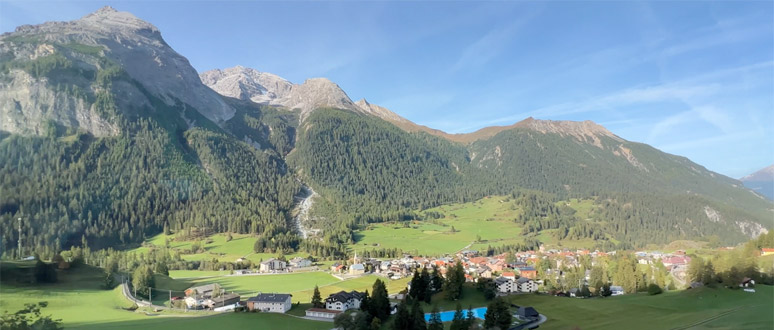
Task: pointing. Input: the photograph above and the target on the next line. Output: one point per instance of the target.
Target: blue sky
(690, 78)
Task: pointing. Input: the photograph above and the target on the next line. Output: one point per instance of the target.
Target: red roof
(511, 274)
(767, 250)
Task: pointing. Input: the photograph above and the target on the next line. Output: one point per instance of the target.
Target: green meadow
(489, 219)
(704, 308)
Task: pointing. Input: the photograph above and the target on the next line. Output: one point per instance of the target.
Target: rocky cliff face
(55, 72)
(266, 88)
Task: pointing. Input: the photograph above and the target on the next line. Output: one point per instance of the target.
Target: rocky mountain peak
(247, 84)
(132, 45)
(577, 129)
(764, 174)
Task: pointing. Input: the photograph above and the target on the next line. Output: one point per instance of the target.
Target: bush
(654, 289)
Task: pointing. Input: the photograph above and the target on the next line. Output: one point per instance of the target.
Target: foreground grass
(739, 310)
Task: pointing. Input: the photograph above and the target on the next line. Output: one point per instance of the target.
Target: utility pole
(170, 299)
(20, 240)
(150, 295)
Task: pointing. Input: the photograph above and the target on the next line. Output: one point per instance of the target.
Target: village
(544, 271)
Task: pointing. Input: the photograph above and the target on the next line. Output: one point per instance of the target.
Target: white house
(526, 285)
(505, 285)
(343, 300)
(273, 265)
(270, 302)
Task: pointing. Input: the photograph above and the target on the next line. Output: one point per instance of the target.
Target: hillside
(108, 136)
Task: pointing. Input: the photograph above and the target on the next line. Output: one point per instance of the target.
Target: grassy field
(79, 301)
(734, 309)
(300, 285)
(215, 247)
(489, 218)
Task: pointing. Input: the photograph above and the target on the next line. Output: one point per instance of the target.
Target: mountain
(65, 66)
(761, 182)
(108, 136)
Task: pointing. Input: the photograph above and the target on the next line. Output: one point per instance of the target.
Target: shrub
(654, 289)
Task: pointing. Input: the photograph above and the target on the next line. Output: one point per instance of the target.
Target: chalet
(322, 313)
(342, 300)
(270, 302)
(272, 265)
(528, 272)
(299, 262)
(484, 272)
(509, 275)
(767, 251)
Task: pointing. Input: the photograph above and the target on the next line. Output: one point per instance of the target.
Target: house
(505, 285)
(272, 265)
(337, 268)
(485, 271)
(222, 300)
(322, 313)
(204, 291)
(527, 313)
(747, 283)
(526, 285)
(356, 269)
(270, 302)
(241, 272)
(299, 262)
(509, 275)
(767, 251)
(342, 300)
(616, 290)
(528, 272)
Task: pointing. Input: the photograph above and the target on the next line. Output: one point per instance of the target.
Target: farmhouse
(343, 300)
(222, 300)
(198, 296)
(273, 265)
(270, 302)
(767, 251)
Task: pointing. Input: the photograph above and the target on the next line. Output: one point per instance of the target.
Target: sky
(691, 78)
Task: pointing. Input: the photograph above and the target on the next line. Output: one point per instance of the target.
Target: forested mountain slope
(107, 136)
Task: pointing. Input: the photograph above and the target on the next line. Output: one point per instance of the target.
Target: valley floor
(79, 301)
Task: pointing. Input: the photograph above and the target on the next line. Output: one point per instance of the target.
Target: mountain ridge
(106, 135)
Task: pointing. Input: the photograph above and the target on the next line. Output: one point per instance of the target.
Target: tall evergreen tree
(317, 299)
(380, 303)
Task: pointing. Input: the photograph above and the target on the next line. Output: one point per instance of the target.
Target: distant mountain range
(108, 135)
(761, 182)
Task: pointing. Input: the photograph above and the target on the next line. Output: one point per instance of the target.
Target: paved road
(532, 324)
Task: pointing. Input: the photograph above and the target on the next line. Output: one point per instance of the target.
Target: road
(532, 324)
